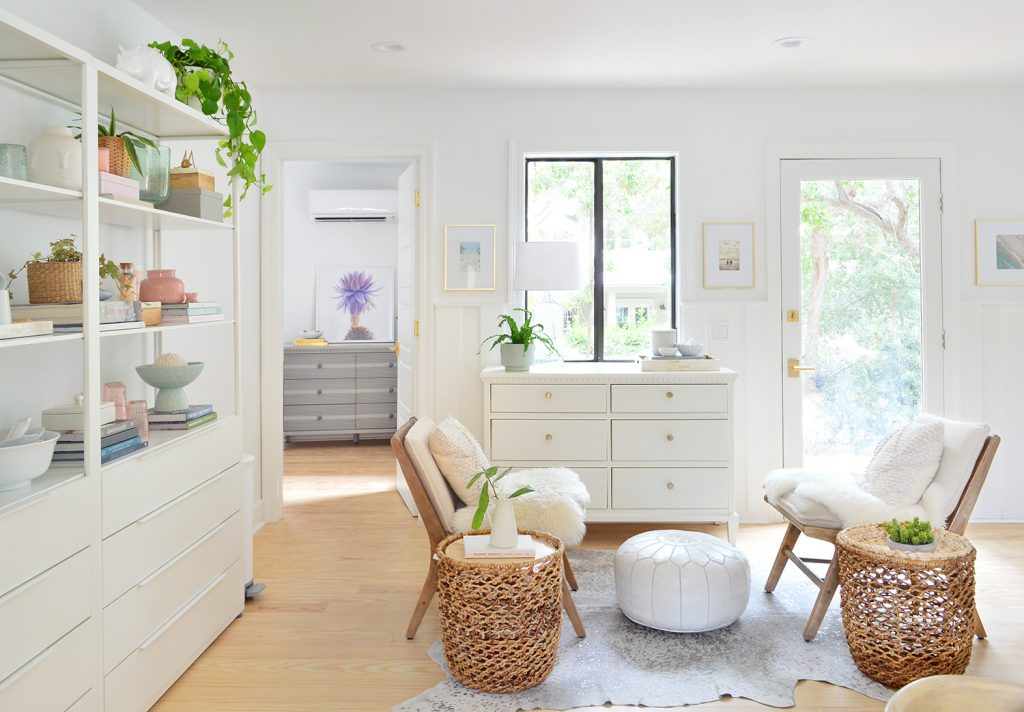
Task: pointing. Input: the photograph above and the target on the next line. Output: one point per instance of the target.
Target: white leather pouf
(682, 582)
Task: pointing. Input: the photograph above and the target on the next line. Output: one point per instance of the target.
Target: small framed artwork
(469, 259)
(728, 255)
(999, 252)
(355, 303)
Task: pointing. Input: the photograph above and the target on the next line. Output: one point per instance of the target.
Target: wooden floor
(344, 567)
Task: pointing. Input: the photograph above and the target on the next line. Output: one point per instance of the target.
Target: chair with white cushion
(819, 505)
(559, 508)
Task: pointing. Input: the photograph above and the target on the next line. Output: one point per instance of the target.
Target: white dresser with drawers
(650, 447)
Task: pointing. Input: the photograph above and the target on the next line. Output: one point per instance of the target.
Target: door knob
(794, 369)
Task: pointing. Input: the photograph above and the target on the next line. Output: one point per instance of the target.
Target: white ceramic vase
(55, 158)
(504, 533)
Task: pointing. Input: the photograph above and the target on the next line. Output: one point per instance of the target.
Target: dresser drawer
(670, 487)
(519, 441)
(57, 678)
(146, 674)
(40, 611)
(137, 551)
(595, 479)
(135, 487)
(376, 365)
(548, 399)
(139, 613)
(319, 417)
(42, 531)
(319, 366)
(319, 392)
(683, 440)
(375, 416)
(669, 398)
(89, 702)
(376, 390)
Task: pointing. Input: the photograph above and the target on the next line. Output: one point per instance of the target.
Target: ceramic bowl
(667, 350)
(170, 377)
(21, 464)
(310, 333)
(691, 350)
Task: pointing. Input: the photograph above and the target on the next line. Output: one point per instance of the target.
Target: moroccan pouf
(681, 582)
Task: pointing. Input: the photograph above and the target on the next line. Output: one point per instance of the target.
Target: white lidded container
(72, 417)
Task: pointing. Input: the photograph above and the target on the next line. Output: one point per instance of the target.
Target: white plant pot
(504, 533)
(55, 158)
(913, 548)
(513, 358)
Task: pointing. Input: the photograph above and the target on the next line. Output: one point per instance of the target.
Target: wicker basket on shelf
(54, 282)
(906, 615)
(120, 162)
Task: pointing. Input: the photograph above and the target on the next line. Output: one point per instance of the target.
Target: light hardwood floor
(345, 565)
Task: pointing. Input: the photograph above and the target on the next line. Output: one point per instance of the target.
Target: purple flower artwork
(346, 297)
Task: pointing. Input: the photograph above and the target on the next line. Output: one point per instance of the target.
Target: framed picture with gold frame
(999, 252)
(728, 255)
(469, 258)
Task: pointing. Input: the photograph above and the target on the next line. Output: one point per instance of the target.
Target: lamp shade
(547, 266)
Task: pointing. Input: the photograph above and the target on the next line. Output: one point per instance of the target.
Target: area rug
(761, 657)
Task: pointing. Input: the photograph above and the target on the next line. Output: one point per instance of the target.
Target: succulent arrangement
(491, 477)
(915, 533)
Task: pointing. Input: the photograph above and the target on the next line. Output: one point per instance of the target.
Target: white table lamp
(548, 266)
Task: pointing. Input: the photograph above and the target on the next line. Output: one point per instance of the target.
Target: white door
(862, 334)
(407, 326)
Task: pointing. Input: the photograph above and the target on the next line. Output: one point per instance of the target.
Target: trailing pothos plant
(204, 74)
(527, 333)
(491, 477)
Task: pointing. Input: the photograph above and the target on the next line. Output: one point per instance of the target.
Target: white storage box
(72, 417)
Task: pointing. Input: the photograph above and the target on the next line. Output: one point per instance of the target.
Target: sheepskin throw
(459, 457)
(905, 462)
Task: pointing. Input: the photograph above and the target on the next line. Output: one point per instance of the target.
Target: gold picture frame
(468, 249)
(732, 263)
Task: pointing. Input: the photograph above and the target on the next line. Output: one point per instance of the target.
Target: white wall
(721, 137)
(308, 244)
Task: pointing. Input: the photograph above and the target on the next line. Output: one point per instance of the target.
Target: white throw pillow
(905, 462)
(459, 457)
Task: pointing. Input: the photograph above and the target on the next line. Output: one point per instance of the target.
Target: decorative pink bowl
(160, 285)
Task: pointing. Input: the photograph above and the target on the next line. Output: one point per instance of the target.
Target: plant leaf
(481, 508)
(521, 491)
(498, 478)
(473, 480)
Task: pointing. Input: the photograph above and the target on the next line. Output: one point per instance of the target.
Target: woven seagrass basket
(120, 163)
(54, 282)
(906, 615)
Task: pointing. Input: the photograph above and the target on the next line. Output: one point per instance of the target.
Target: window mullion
(598, 260)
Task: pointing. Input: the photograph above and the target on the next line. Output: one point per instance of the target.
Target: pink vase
(160, 285)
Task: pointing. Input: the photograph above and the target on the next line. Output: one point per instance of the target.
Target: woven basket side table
(501, 620)
(906, 615)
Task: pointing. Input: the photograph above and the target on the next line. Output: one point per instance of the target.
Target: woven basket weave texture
(54, 282)
(120, 163)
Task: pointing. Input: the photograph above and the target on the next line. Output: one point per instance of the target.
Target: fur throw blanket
(841, 494)
(557, 506)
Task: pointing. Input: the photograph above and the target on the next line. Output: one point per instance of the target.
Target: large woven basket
(120, 163)
(500, 622)
(906, 615)
(54, 282)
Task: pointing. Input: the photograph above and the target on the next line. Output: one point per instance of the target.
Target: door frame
(950, 258)
(272, 290)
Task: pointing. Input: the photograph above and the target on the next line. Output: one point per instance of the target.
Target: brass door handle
(397, 348)
(548, 437)
(794, 369)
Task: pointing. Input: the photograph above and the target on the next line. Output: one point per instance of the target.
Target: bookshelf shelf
(38, 340)
(164, 328)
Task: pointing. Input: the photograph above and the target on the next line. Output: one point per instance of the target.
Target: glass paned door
(862, 333)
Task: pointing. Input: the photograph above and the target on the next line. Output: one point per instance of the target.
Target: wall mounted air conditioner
(353, 206)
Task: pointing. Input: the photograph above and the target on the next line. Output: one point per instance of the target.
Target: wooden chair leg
(825, 595)
(426, 594)
(979, 627)
(570, 608)
(788, 542)
(569, 575)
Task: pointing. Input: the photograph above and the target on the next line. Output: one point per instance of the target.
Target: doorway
(862, 331)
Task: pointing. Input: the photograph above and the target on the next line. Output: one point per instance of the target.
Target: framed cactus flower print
(355, 303)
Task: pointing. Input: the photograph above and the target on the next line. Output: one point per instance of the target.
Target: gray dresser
(339, 391)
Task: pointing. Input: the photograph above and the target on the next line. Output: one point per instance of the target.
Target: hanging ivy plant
(204, 77)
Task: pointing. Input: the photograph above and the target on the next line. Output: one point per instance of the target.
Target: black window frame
(598, 161)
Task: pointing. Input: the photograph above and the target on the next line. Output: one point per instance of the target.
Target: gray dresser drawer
(314, 391)
(376, 365)
(375, 416)
(322, 365)
(319, 417)
(376, 390)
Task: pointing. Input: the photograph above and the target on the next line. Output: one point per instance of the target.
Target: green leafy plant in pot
(504, 532)
(57, 277)
(911, 536)
(518, 346)
(124, 147)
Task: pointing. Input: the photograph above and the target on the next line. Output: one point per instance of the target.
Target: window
(620, 213)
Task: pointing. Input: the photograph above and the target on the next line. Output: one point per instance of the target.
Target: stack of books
(117, 439)
(310, 342)
(194, 417)
(191, 313)
(478, 546)
(114, 315)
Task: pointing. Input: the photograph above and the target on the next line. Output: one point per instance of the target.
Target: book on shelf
(110, 311)
(478, 546)
(79, 445)
(24, 329)
(181, 416)
(175, 311)
(77, 436)
(192, 319)
(705, 363)
(112, 326)
(189, 306)
(185, 425)
(111, 452)
(310, 342)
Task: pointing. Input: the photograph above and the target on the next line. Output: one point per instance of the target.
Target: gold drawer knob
(548, 437)
(670, 437)
(671, 485)
(669, 394)
(548, 395)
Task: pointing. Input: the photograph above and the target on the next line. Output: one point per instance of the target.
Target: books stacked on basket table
(117, 439)
(191, 313)
(67, 318)
(196, 416)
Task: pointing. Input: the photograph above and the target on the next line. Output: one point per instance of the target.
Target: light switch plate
(719, 329)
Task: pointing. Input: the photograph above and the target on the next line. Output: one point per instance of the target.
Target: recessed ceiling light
(792, 42)
(388, 47)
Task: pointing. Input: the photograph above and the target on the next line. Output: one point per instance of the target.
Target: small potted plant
(124, 147)
(518, 346)
(916, 536)
(57, 278)
(504, 532)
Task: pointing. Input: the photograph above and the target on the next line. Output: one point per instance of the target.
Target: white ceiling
(324, 44)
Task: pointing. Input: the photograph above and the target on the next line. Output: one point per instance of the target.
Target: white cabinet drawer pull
(178, 616)
(177, 500)
(669, 394)
(548, 437)
(670, 437)
(28, 585)
(192, 547)
(38, 499)
(548, 395)
(671, 485)
(26, 668)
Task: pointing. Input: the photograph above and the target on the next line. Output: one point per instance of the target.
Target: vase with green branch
(355, 292)
(504, 532)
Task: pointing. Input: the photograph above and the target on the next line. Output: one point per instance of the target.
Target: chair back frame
(437, 528)
(961, 515)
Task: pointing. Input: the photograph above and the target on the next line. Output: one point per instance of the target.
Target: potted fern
(518, 346)
(504, 531)
(916, 536)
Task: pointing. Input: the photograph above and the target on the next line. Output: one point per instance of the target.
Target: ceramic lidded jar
(161, 285)
(55, 158)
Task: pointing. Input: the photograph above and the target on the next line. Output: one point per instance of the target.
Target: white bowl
(691, 350)
(667, 350)
(21, 464)
(310, 334)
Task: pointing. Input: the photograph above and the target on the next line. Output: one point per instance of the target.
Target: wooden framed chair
(956, 522)
(436, 502)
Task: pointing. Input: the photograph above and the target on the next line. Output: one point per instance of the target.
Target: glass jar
(155, 177)
(13, 161)
(115, 392)
(138, 410)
